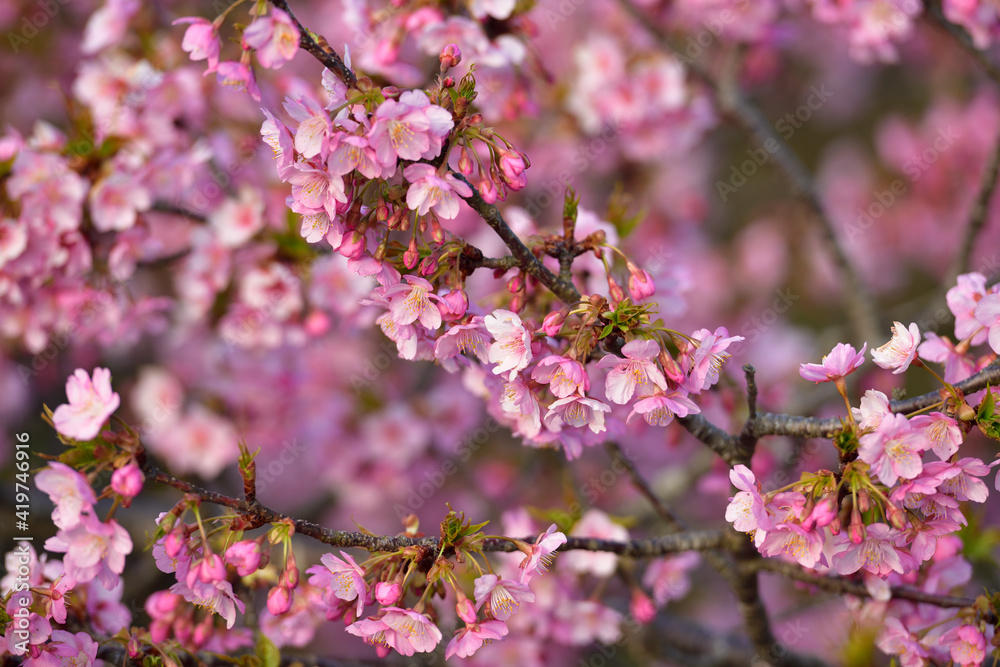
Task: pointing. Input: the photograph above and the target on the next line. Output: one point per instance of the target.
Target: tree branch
(977, 217)
(256, 515)
(961, 36)
(841, 585)
(326, 55)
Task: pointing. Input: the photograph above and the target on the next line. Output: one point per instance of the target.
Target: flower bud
(487, 190)
(127, 481)
(856, 530)
(896, 516)
(466, 611)
(515, 284)
(640, 285)
(617, 293)
(552, 323)
(642, 608)
(465, 162)
(450, 56)
(864, 501)
(388, 592)
(279, 600)
(411, 256)
(671, 368)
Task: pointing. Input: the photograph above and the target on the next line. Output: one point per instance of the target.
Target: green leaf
(268, 653)
(986, 417)
(607, 331)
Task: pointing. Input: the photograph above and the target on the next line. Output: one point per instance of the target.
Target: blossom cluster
(896, 502)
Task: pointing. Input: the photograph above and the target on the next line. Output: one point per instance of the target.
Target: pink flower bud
(552, 323)
(512, 166)
(487, 190)
(515, 284)
(317, 323)
(465, 162)
(454, 304)
(856, 530)
(388, 592)
(640, 285)
(203, 632)
(244, 556)
(353, 246)
(822, 514)
(671, 368)
(466, 611)
(127, 481)
(411, 256)
(174, 542)
(897, 517)
(428, 265)
(642, 607)
(450, 56)
(617, 293)
(864, 501)
(279, 600)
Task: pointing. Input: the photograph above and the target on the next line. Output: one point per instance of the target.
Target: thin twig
(327, 56)
(962, 37)
(977, 217)
(746, 442)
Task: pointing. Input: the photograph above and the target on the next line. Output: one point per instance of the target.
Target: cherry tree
(358, 332)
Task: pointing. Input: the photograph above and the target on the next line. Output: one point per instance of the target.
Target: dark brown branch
(256, 515)
(327, 56)
(977, 217)
(530, 264)
(746, 442)
(964, 40)
(717, 440)
(859, 303)
(844, 586)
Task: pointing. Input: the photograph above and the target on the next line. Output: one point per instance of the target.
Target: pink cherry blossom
(388, 593)
(239, 76)
(988, 315)
(127, 481)
(791, 539)
(501, 597)
(542, 553)
(877, 553)
(200, 441)
(13, 239)
(69, 490)
(201, 40)
(640, 284)
(275, 38)
(519, 399)
(340, 578)
(353, 152)
(707, 358)
(966, 645)
(637, 374)
(429, 189)
(746, 510)
(874, 407)
(471, 638)
(460, 339)
(115, 201)
(564, 376)
(961, 479)
(414, 301)
(940, 349)
(218, 598)
(894, 449)
(73, 649)
(942, 431)
(245, 556)
(660, 409)
(577, 411)
(410, 128)
(279, 600)
(512, 166)
(91, 402)
(94, 550)
(897, 640)
(511, 350)
(963, 299)
(840, 362)
(900, 351)
(235, 221)
(669, 578)
(108, 25)
(404, 630)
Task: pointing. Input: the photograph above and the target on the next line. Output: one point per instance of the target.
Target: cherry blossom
(900, 351)
(708, 357)
(877, 553)
(636, 374)
(894, 449)
(501, 597)
(541, 553)
(428, 189)
(874, 407)
(987, 313)
(91, 402)
(410, 128)
(275, 38)
(69, 491)
(340, 578)
(842, 360)
(660, 408)
(201, 40)
(577, 411)
(472, 637)
(94, 550)
(966, 645)
(511, 350)
(563, 375)
(404, 630)
(963, 300)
